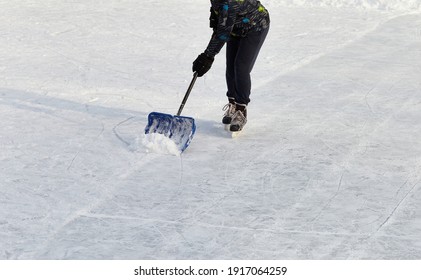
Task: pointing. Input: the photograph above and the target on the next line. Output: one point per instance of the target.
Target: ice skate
(239, 119)
(229, 112)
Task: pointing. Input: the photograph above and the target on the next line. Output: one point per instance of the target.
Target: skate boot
(239, 119)
(229, 111)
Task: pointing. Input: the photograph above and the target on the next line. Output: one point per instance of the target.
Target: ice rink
(328, 166)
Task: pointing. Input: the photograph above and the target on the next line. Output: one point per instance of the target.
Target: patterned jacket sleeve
(227, 13)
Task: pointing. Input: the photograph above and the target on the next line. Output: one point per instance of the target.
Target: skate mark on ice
(329, 202)
(108, 190)
(398, 205)
(366, 100)
(119, 137)
(279, 230)
(83, 147)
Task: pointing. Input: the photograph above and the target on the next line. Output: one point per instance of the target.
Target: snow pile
(386, 5)
(158, 143)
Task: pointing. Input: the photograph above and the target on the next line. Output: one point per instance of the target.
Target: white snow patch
(382, 5)
(159, 143)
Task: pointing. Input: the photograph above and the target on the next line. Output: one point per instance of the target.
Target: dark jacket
(235, 18)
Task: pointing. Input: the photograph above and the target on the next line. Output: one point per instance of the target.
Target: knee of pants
(242, 73)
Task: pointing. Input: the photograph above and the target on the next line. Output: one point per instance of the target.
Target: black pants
(241, 56)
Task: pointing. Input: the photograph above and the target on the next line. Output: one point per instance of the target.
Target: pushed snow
(159, 143)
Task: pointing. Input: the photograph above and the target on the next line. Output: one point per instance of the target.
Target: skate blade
(235, 134)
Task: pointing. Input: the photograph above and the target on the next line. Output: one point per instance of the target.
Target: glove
(202, 64)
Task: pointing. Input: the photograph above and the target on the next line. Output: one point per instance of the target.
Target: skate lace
(229, 109)
(238, 117)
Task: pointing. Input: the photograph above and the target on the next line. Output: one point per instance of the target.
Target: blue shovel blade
(177, 128)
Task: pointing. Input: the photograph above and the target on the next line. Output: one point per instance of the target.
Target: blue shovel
(177, 128)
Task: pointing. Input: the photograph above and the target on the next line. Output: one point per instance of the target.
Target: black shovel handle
(186, 96)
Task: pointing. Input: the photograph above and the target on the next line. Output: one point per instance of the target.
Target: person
(242, 25)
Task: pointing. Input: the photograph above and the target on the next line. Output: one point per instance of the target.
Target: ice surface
(328, 167)
(395, 5)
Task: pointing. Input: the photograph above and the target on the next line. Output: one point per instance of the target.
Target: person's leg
(247, 53)
(246, 56)
(231, 49)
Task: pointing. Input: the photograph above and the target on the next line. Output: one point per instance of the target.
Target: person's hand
(202, 64)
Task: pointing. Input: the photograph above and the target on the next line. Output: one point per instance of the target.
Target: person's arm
(227, 14)
(226, 18)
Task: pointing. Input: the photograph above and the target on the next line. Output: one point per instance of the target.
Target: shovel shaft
(186, 96)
